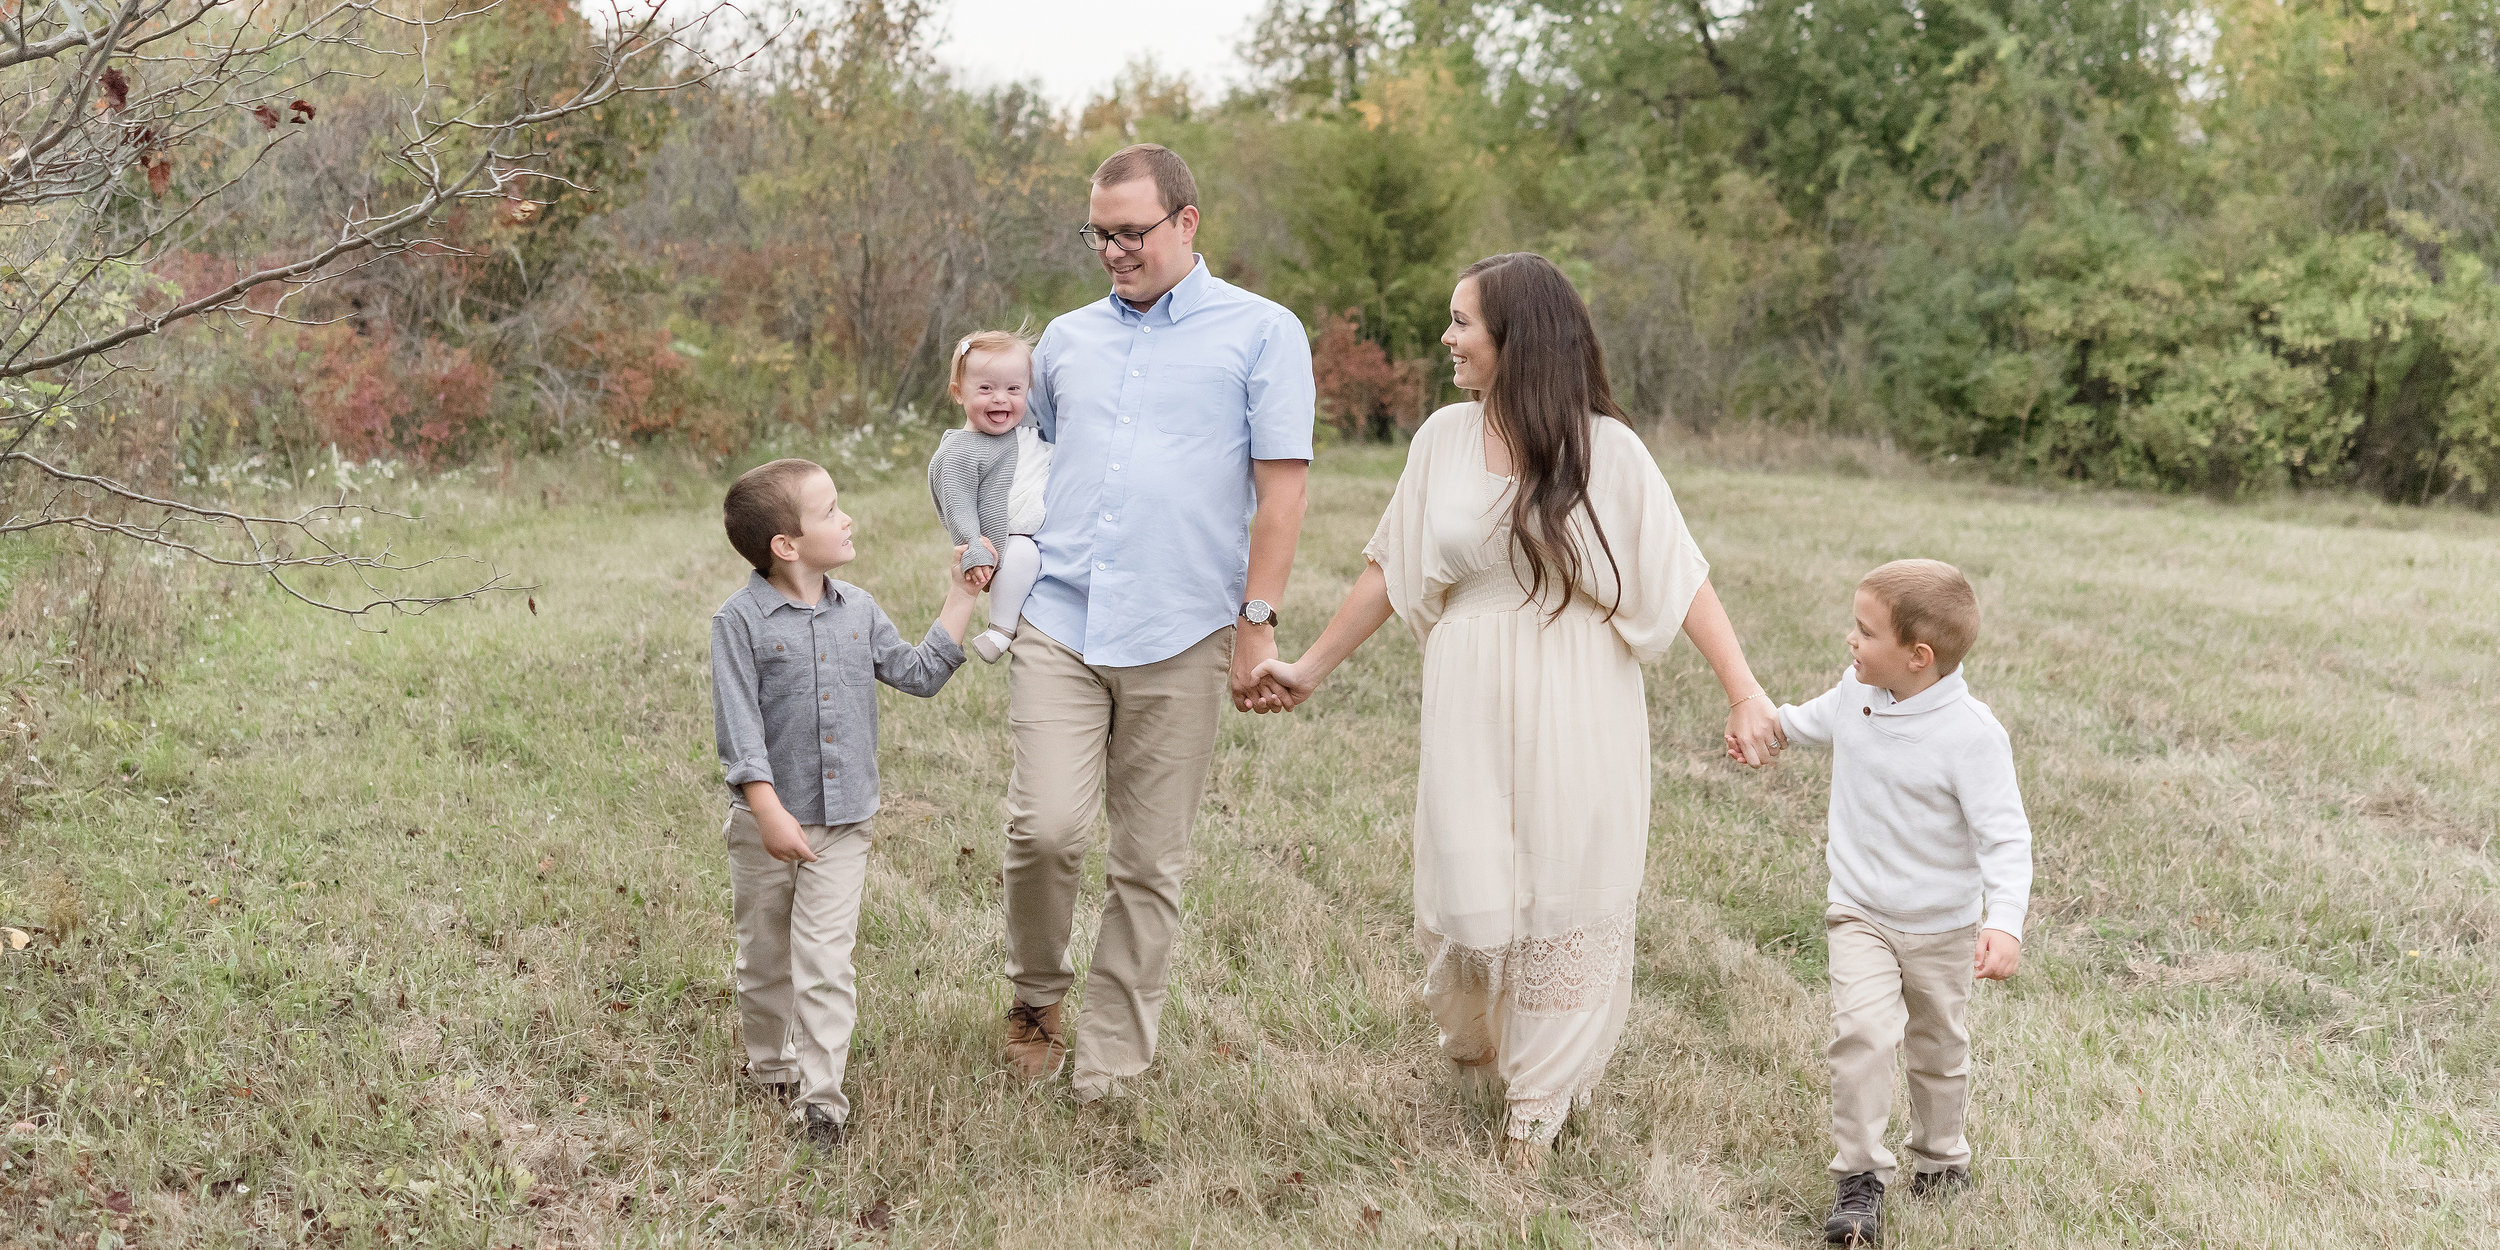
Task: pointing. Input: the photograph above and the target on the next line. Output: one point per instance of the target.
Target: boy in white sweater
(1929, 844)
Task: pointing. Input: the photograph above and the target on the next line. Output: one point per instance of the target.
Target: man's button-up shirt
(1154, 418)
(794, 694)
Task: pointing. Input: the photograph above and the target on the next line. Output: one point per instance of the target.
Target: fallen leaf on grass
(118, 1202)
(545, 864)
(878, 1217)
(18, 939)
(23, 1128)
(301, 885)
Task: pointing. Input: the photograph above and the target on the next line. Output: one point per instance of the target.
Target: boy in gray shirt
(796, 658)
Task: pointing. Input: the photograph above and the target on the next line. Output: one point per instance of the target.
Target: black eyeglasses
(1126, 240)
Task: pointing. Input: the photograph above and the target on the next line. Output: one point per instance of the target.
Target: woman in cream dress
(1532, 806)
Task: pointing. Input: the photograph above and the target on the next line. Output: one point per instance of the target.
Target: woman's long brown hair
(1549, 377)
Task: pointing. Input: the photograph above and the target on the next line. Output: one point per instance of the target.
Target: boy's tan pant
(1137, 740)
(1907, 992)
(797, 923)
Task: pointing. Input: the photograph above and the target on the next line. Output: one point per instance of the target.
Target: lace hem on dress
(1558, 975)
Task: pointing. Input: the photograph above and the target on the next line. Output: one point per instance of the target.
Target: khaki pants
(797, 923)
(1137, 740)
(1905, 992)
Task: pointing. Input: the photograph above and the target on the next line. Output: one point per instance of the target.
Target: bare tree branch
(131, 130)
(274, 546)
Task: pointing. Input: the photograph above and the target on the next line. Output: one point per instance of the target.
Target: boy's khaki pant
(1906, 992)
(1139, 741)
(797, 923)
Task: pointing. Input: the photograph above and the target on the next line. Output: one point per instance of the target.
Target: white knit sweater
(1927, 823)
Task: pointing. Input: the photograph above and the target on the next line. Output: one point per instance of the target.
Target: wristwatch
(1258, 612)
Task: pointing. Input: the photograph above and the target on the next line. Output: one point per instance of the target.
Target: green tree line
(2224, 246)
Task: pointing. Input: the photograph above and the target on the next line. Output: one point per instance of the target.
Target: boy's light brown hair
(1175, 186)
(1931, 602)
(762, 503)
(982, 342)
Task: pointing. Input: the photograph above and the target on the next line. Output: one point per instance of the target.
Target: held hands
(976, 580)
(962, 582)
(1282, 687)
(1999, 954)
(1753, 731)
(1253, 647)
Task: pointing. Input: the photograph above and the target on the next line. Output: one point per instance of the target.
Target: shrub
(1362, 393)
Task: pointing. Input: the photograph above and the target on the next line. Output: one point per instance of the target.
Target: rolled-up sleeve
(920, 670)
(1282, 395)
(737, 711)
(1038, 400)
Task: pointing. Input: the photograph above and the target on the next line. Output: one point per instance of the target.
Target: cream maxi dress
(1532, 803)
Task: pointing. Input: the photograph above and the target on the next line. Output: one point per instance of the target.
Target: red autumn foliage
(300, 112)
(160, 169)
(1363, 393)
(266, 116)
(116, 90)
(638, 378)
(375, 396)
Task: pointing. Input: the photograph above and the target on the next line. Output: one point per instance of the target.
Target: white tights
(1019, 563)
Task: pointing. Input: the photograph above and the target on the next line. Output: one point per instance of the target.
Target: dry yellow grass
(422, 938)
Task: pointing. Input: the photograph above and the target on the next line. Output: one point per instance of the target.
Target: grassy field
(422, 938)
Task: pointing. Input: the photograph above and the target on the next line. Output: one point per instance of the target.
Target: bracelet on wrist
(1747, 699)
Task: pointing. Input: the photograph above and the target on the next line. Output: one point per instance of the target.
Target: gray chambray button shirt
(794, 693)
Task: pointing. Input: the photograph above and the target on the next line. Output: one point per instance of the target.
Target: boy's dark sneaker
(823, 1131)
(1938, 1184)
(1857, 1213)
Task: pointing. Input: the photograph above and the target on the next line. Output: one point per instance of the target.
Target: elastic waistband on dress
(1491, 594)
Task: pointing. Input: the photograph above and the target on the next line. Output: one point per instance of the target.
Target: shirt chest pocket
(848, 656)
(1194, 401)
(794, 664)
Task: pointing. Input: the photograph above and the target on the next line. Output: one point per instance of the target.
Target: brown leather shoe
(1036, 1047)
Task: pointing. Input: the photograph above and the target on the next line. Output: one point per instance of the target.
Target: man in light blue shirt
(1179, 409)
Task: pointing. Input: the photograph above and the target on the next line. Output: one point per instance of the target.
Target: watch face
(1256, 612)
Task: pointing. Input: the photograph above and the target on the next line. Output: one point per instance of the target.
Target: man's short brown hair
(1175, 186)
(1931, 602)
(763, 503)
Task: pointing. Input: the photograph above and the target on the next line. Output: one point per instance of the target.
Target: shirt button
(827, 696)
(1124, 420)
(1137, 373)
(1101, 567)
(820, 655)
(1111, 516)
(828, 739)
(828, 774)
(1147, 329)
(1866, 711)
(1115, 468)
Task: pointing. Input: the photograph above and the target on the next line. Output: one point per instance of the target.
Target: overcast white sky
(1075, 48)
